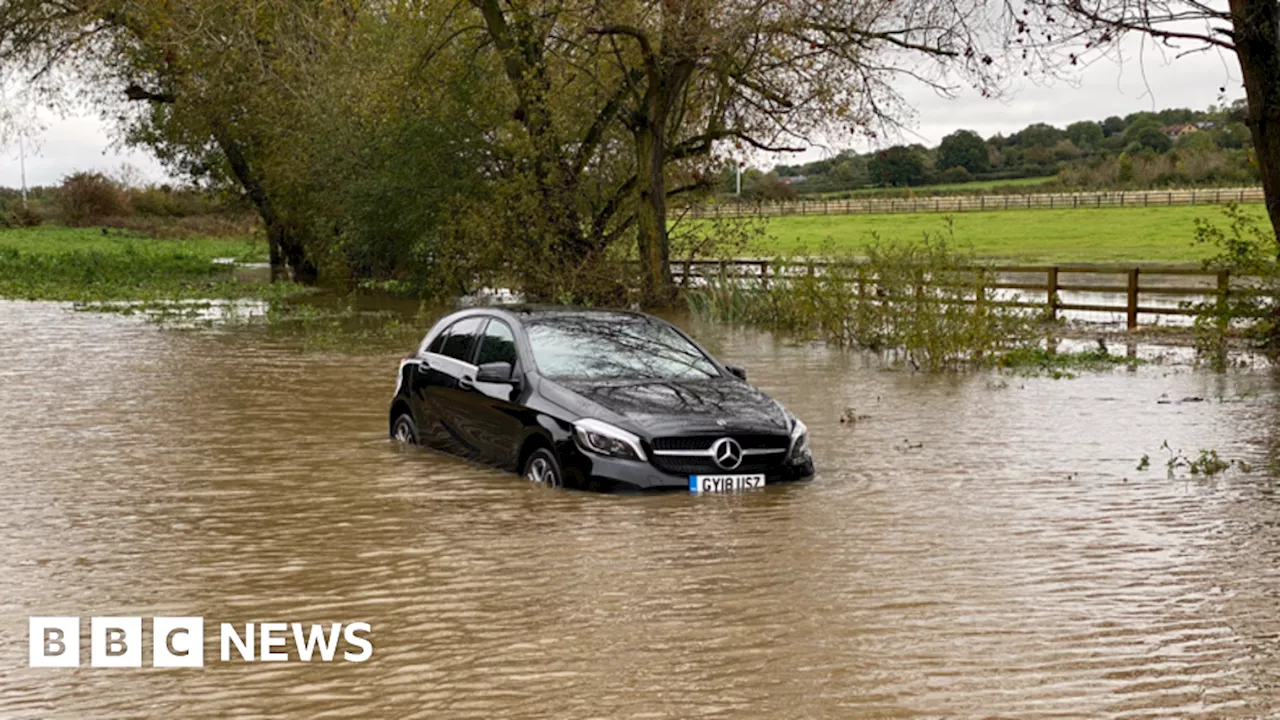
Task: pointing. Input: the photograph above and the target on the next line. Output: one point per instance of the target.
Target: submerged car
(594, 399)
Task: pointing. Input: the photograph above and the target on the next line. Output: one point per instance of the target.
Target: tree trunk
(651, 215)
(286, 252)
(1258, 48)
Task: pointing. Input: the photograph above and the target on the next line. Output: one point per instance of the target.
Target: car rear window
(614, 346)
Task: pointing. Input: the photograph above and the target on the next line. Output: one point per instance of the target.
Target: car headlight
(799, 438)
(605, 439)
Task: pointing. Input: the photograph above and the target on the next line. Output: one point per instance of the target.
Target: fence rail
(1133, 281)
(980, 203)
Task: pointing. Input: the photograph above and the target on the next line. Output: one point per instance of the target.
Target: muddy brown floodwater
(973, 546)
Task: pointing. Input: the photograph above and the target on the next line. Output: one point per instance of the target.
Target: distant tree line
(1175, 147)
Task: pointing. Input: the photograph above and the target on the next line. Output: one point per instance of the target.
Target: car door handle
(466, 383)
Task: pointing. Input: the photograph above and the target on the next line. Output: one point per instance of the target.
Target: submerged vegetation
(923, 303)
(1036, 359)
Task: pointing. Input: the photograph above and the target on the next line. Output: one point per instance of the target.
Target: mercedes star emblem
(727, 453)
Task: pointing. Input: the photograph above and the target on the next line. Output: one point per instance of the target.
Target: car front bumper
(596, 472)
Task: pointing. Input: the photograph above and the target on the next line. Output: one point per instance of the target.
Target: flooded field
(976, 545)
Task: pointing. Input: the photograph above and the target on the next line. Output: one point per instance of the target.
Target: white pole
(738, 167)
(22, 163)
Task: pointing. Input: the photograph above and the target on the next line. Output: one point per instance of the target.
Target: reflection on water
(974, 546)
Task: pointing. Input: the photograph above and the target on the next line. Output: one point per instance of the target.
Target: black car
(594, 399)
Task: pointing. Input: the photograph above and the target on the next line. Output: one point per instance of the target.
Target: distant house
(1206, 124)
(1177, 131)
(794, 179)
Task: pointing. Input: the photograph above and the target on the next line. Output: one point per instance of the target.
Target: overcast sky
(83, 142)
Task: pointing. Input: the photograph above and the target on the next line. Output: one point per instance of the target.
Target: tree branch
(137, 92)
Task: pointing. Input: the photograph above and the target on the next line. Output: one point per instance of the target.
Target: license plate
(724, 483)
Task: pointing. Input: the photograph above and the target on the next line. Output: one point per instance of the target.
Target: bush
(921, 302)
(955, 175)
(86, 197)
(165, 201)
(1245, 249)
(26, 217)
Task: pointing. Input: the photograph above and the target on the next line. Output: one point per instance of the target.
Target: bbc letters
(179, 642)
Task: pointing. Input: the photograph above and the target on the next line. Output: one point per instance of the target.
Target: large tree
(897, 166)
(963, 148)
(688, 77)
(212, 82)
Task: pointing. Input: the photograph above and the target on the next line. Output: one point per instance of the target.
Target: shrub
(957, 174)
(86, 197)
(166, 201)
(26, 217)
(922, 302)
(1245, 249)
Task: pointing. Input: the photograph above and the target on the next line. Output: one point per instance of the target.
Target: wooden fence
(1134, 282)
(980, 203)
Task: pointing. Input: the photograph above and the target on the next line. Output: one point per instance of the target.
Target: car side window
(498, 344)
(461, 334)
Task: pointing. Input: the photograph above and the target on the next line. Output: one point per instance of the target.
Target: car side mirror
(737, 371)
(495, 372)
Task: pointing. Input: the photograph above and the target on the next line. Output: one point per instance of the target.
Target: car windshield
(614, 346)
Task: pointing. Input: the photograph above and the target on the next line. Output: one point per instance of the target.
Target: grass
(978, 185)
(55, 240)
(1035, 360)
(86, 264)
(1149, 235)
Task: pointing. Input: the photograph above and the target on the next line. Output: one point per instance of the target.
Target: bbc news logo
(179, 642)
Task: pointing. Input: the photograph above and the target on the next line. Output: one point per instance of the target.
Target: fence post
(984, 201)
(1052, 287)
(764, 274)
(1224, 287)
(1133, 299)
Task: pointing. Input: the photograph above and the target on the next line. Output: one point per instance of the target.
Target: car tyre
(541, 467)
(404, 429)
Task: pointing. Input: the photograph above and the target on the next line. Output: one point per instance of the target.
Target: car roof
(523, 312)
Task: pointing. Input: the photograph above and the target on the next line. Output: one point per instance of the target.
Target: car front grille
(706, 465)
(703, 442)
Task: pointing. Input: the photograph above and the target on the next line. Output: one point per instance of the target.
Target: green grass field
(59, 263)
(1151, 235)
(56, 240)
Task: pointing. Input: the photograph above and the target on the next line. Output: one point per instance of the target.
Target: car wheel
(405, 430)
(543, 468)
